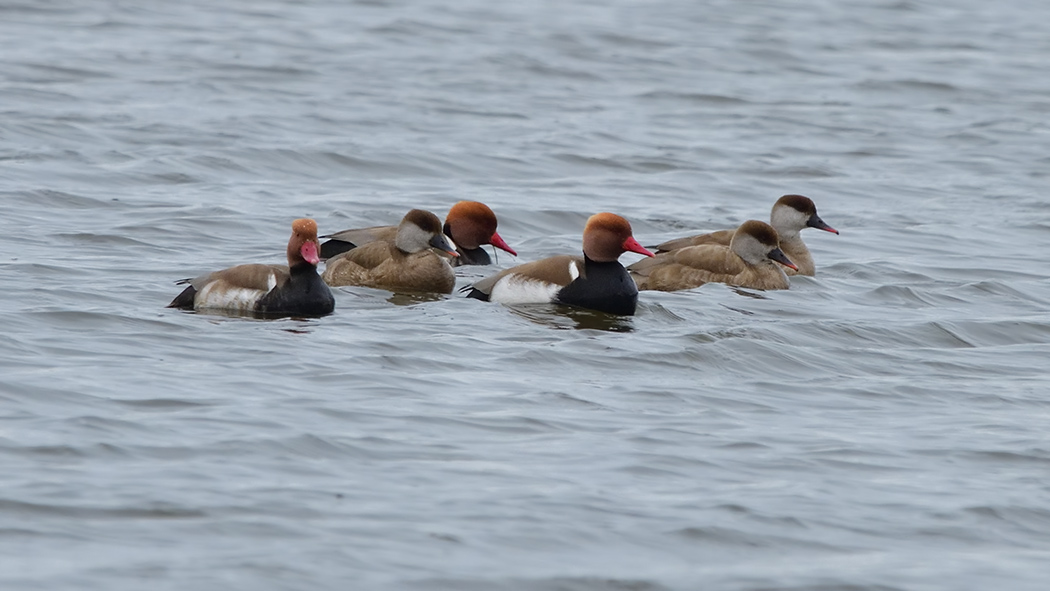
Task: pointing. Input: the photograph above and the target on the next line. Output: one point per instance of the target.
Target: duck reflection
(570, 318)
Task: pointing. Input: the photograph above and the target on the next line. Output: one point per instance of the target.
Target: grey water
(881, 426)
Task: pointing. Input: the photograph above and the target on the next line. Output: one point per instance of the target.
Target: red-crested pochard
(752, 259)
(790, 215)
(405, 264)
(266, 290)
(596, 281)
(470, 225)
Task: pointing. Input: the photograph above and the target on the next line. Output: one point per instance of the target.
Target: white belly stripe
(218, 294)
(516, 289)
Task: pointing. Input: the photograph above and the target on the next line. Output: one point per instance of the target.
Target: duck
(470, 225)
(265, 290)
(752, 260)
(405, 264)
(789, 216)
(595, 281)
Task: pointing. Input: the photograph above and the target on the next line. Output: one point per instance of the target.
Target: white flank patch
(271, 282)
(574, 271)
(516, 289)
(218, 294)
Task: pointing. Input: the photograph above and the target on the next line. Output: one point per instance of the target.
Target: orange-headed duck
(470, 225)
(596, 281)
(791, 214)
(752, 260)
(405, 264)
(266, 290)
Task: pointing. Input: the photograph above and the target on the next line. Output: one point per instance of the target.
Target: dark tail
(184, 301)
(335, 247)
(476, 293)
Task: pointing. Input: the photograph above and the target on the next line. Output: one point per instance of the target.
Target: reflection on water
(248, 314)
(409, 299)
(568, 317)
(758, 295)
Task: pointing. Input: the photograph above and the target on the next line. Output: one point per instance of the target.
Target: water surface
(878, 427)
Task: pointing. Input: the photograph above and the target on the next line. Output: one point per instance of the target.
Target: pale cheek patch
(218, 294)
(515, 289)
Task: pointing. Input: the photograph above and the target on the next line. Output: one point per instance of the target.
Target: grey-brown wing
(719, 237)
(250, 276)
(362, 236)
(370, 255)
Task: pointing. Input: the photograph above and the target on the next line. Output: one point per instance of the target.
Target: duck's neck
(471, 256)
(788, 234)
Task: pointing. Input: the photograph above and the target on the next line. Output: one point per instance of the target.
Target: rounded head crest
(799, 202)
(471, 224)
(605, 236)
(305, 227)
(474, 211)
(760, 231)
(609, 222)
(425, 220)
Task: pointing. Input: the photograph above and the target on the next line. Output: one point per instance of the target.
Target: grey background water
(881, 426)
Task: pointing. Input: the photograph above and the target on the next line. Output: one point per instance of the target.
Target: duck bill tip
(309, 252)
(501, 244)
(633, 245)
(444, 244)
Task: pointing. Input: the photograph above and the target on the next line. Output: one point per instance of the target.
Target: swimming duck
(752, 259)
(406, 263)
(266, 290)
(470, 225)
(596, 281)
(790, 215)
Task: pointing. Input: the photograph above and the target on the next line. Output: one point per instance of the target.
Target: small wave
(694, 97)
(483, 583)
(908, 85)
(155, 511)
(58, 200)
(722, 536)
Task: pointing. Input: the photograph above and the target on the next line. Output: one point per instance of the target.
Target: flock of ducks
(418, 255)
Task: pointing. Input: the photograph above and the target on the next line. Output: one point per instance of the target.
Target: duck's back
(421, 271)
(686, 268)
(720, 237)
(347, 240)
(354, 267)
(714, 263)
(236, 288)
(380, 264)
(534, 282)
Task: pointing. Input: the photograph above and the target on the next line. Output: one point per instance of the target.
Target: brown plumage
(751, 260)
(470, 225)
(790, 214)
(272, 290)
(596, 281)
(406, 263)
(552, 271)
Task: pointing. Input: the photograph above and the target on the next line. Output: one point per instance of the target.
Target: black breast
(304, 294)
(472, 256)
(605, 287)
